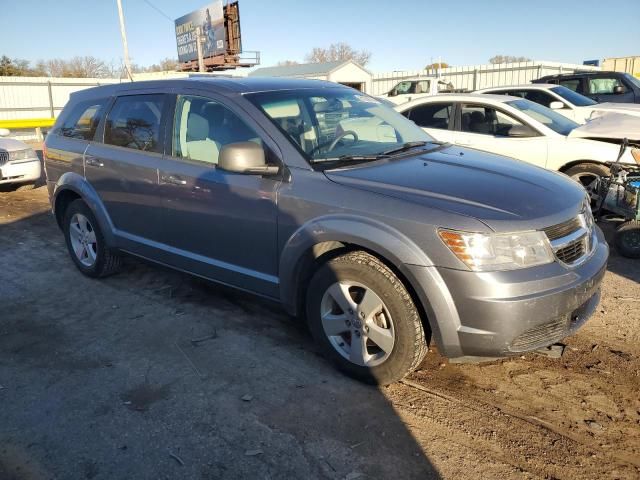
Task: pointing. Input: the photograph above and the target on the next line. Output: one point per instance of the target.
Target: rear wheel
(627, 239)
(364, 319)
(86, 243)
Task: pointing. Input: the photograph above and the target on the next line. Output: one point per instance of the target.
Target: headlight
(22, 154)
(510, 251)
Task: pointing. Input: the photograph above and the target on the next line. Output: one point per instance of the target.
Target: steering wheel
(335, 141)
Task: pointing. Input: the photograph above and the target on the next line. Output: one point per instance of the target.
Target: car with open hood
(328, 201)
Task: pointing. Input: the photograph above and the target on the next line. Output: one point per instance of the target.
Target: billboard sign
(210, 19)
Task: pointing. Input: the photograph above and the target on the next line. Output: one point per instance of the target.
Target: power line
(159, 11)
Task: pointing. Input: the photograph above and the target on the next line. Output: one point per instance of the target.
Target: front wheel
(627, 239)
(86, 243)
(364, 319)
(587, 174)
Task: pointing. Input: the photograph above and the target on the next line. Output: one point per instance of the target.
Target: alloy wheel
(83, 240)
(357, 323)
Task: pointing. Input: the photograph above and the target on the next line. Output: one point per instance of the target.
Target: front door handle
(173, 180)
(93, 161)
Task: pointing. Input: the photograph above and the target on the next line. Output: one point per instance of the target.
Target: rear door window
(603, 85)
(432, 115)
(571, 84)
(83, 120)
(134, 122)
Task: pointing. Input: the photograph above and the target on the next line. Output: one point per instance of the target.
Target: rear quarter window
(134, 122)
(83, 120)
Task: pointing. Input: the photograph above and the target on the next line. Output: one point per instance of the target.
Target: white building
(346, 72)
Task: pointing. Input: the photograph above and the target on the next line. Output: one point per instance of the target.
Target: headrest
(477, 117)
(197, 126)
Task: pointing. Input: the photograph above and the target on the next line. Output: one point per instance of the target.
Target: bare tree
(336, 52)
(507, 59)
(78, 67)
(286, 63)
(437, 66)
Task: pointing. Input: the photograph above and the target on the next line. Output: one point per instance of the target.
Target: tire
(95, 259)
(389, 317)
(586, 172)
(627, 239)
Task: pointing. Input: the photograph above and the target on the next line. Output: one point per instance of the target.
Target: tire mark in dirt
(527, 443)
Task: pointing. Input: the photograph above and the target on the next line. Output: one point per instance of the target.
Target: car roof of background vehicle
(575, 74)
(222, 85)
(537, 86)
(455, 97)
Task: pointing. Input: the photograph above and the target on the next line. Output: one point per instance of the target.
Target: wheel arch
(322, 239)
(72, 186)
(574, 163)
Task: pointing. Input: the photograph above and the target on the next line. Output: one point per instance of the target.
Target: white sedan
(571, 104)
(524, 130)
(19, 164)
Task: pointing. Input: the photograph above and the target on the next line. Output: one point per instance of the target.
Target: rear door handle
(93, 161)
(173, 180)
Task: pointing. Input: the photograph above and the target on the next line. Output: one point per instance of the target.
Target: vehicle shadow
(623, 266)
(181, 377)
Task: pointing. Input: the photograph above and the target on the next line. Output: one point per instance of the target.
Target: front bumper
(496, 314)
(22, 171)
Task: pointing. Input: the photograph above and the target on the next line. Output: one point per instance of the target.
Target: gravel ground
(152, 374)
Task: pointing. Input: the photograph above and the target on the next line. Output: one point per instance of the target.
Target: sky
(402, 35)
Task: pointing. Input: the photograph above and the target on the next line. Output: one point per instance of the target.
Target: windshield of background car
(573, 97)
(553, 120)
(331, 123)
(631, 79)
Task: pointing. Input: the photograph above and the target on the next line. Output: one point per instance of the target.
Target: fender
(78, 184)
(372, 235)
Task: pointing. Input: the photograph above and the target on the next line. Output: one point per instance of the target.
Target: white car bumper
(22, 171)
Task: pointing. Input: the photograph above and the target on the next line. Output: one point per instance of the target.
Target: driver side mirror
(247, 158)
(618, 89)
(556, 105)
(521, 131)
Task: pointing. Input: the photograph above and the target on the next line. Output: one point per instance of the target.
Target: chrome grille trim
(4, 157)
(571, 241)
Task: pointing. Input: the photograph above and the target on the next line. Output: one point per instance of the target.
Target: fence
(475, 77)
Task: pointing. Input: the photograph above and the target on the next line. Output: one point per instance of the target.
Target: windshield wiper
(350, 158)
(405, 147)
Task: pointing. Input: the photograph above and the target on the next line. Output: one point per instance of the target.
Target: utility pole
(199, 41)
(123, 33)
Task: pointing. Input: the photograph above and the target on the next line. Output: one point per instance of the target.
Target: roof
(218, 84)
(576, 74)
(456, 97)
(538, 86)
(301, 69)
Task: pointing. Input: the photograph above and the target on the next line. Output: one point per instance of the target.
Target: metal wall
(623, 64)
(474, 77)
(40, 97)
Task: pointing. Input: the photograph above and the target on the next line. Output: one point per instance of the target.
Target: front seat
(478, 123)
(198, 145)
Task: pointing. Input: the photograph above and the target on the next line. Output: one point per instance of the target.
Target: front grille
(563, 229)
(573, 251)
(4, 158)
(540, 336)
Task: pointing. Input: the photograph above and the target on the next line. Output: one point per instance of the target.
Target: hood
(610, 125)
(11, 145)
(504, 194)
(628, 108)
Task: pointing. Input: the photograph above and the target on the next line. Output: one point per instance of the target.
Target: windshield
(633, 80)
(553, 120)
(573, 97)
(337, 123)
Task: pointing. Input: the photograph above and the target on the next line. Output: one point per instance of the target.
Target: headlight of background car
(485, 252)
(22, 154)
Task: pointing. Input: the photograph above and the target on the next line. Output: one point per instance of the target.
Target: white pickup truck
(414, 88)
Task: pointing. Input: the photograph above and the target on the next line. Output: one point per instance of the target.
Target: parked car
(616, 87)
(322, 198)
(412, 89)
(20, 166)
(525, 130)
(566, 102)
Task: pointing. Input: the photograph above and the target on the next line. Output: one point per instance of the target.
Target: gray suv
(328, 201)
